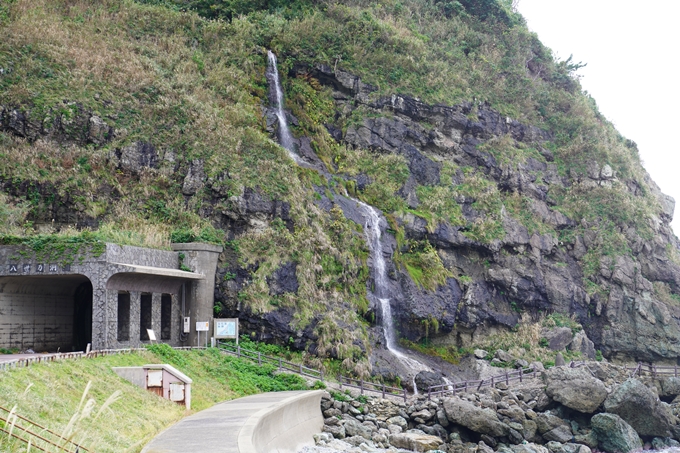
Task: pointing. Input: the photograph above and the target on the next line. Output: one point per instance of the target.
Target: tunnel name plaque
(39, 268)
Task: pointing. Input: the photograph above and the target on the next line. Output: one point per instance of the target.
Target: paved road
(215, 429)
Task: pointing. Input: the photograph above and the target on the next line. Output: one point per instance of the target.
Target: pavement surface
(215, 429)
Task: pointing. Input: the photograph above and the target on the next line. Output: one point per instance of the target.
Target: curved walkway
(232, 426)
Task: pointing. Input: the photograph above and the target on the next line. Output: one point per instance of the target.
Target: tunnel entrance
(82, 316)
(46, 313)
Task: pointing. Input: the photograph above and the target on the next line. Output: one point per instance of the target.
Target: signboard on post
(202, 326)
(226, 328)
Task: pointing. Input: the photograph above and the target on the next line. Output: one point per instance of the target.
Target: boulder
(480, 353)
(670, 386)
(662, 443)
(415, 442)
(398, 421)
(355, 428)
(635, 403)
(558, 337)
(338, 431)
(483, 421)
(575, 388)
(426, 379)
(559, 360)
(556, 447)
(561, 434)
(503, 356)
(529, 448)
(581, 343)
(546, 422)
(614, 435)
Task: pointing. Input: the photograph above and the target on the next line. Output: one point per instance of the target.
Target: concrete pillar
(175, 320)
(156, 315)
(200, 294)
(135, 313)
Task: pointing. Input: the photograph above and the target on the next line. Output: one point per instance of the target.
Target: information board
(202, 326)
(226, 328)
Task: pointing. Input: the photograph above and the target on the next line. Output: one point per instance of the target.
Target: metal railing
(39, 437)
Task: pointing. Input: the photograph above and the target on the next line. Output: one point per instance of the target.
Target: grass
(50, 394)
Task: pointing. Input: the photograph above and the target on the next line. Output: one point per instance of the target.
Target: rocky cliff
(508, 199)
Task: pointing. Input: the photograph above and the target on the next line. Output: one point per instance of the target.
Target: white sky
(631, 51)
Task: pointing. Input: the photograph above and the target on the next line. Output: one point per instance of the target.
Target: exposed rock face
(576, 388)
(615, 435)
(635, 403)
(524, 268)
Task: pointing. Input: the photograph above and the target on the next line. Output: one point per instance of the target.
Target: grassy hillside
(113, 415)
(144, 122)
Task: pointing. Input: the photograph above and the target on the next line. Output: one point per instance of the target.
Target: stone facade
(49, 303)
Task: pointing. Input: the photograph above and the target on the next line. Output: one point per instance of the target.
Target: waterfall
(372, 228)
(373, 231)
(285, 137)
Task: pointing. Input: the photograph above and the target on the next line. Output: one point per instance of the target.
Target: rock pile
(570, 410)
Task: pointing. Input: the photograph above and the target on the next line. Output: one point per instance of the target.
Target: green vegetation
(122, 417)
(186, 79)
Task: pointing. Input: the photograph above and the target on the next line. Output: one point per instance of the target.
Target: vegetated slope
(50, 394)
(506, 191)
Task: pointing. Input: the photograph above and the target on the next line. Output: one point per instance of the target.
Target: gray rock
(138, 156)
(581, 343)
(560, 434)
(426, 379)
(354, 428)
(559, 360)
(546, 422)
(415, 441)
(662, 443)
(398, 421)
(480, 353)
(575, 388)
(614, 435)
(521, 363)
(483, 421)
(635, 403)
(503, 356)
(338, 431)
(558, 337)
(556, 447)
(194, 179)
(529, 448)
(670, 386)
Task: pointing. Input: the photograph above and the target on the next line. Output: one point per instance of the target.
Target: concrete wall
(285, 428)
(201, 258)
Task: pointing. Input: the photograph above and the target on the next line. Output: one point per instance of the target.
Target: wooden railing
(654, 370)
(344, 381)
(509, 377)
(366, 386)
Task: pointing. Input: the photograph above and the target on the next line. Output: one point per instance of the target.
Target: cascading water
(372, 227)
(285, 137)
(381, 291)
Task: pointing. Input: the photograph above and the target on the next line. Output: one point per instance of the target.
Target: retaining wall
(284, 428)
